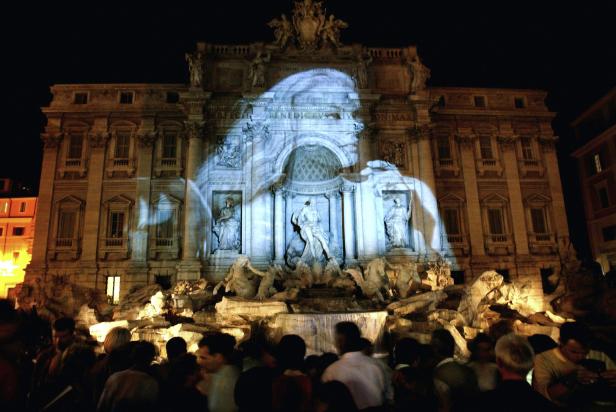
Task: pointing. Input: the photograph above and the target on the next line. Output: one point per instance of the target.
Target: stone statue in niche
(227, 227)
(308, 220)
(195, 65)
(256, 71)
(396, 225)
(283, 31)
(228, 153)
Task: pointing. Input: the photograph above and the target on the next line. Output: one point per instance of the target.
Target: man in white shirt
(213, 356)
(358, 372)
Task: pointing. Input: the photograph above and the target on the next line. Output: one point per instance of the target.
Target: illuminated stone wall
(144, 181)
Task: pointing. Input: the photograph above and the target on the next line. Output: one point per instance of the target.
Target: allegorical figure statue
(257, 69)
(396, 225)
(195, 65)
(283, 31)
(307, 219)
(331, 30)
(420, 74)
(363, 61)
(227, 227)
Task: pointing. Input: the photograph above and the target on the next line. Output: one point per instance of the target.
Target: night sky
(567, 49)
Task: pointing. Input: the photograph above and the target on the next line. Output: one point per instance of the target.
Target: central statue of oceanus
(307, 219)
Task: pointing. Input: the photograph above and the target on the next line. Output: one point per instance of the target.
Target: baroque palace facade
(146, 183)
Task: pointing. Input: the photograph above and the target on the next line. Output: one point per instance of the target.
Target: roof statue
(309, 27)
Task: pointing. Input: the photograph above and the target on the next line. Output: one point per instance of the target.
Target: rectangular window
(495, 222)
(126, 97)
(485, 146)
(452, 221)
(75, 146)
(609, 233)
(113, 289)
(66, 224)
(22, 207)
(173, 97)
(444, 148)
(18, 231)
(604, 199)
(596, 158)
(519, 103)
(480, 101)
(538, 219)
(1, 231)
(169, 146)
(527, 148)
(122, 145)
(164, 226)
(116, 224)
(81, 98)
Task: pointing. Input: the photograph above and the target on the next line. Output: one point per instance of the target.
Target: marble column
(466, 142)
(278, 225)
(556, 192)
(520, 234)
(145, 142)
(431, 231)
(333, 218)
(43, 226)
(97, 142)
(349, 232)
(190, 267)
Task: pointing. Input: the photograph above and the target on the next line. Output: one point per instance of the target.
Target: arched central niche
(312, 173)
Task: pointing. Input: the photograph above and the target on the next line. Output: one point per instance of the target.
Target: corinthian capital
(51, 140)
(194, 129)
(147, 139)
(98, 139)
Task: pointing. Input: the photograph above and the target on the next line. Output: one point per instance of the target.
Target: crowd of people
(57, 371)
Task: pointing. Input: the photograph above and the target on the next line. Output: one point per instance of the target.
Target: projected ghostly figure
(227, 227)
(307, 218)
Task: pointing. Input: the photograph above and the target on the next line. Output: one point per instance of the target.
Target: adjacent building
(17, 217)
(596, 158)
(151, 183)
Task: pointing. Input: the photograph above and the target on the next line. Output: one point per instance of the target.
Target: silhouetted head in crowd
(77, 360)
(290, 352)
(415, 390)
(142, 354)
(366, 346)
(575, 341)
(499, 329)
(184, 370)
(541, 343)
(347, 337)
(482, 348)
(442, 344)
(63, 333)
(215, 351)
(334, 396)
(175, 347)
(406, 352)
(514, 356)
(116, 338)
(257, 351)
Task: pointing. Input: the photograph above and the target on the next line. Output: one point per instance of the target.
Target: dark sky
(567, 49)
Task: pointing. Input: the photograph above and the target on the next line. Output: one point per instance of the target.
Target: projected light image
(293, 181)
